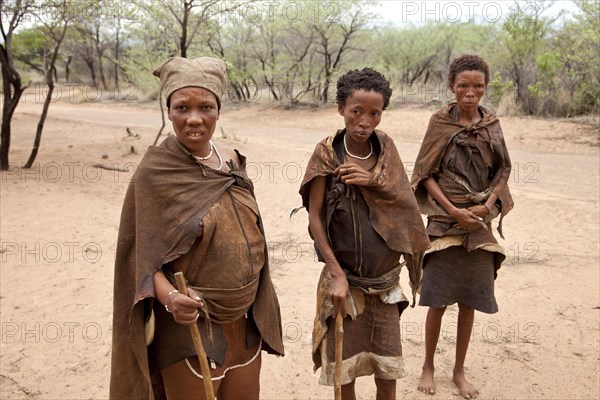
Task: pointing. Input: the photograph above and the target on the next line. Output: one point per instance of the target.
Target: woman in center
(363, 218)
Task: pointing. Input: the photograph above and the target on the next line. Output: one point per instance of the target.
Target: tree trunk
(325, 92)
(9, 106)
(89, 62)
(68, 68)
(11, 82)
(99, 55)
(162, 115)
(184, 28)
(117, 44)
(40, 126)
(50, 83)
(271, 87)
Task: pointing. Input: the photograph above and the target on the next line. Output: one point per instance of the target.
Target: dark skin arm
(339, 289)
(467, 218)
(184, 308)
(350, 174)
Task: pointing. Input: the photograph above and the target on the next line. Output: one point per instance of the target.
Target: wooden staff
(204, 368)
(339, 345)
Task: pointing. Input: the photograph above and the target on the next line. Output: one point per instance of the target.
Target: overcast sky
(417, 12)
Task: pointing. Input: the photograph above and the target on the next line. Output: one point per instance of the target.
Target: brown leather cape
(165, 202)
(443, 127)
(393, 210)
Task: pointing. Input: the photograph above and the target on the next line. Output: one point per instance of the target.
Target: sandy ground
(59, 224)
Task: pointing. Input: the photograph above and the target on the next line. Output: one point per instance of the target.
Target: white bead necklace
(212, 147)
(218, 156)
(209, 153)
(355, 156)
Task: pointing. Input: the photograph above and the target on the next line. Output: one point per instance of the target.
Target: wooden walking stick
(339, 345)
(204, 368)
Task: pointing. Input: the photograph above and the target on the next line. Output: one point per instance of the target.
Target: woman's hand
(466, 219)
(479, 210)
(352, 174)
(340, 291)
(185, 309)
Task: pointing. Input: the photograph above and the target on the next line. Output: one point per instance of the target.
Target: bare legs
(239, 383)
(242, 382)
(348, 391)
(433, 325)
(464, 328)
(386, 390)
(463, 335)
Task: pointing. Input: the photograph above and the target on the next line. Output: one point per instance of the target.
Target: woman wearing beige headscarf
(191, 208)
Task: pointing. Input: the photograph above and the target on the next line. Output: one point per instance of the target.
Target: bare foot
(426, 383)
(467, 390)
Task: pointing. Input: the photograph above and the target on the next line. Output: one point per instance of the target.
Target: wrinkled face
(469, 87)
(194, 112)
(362, 113)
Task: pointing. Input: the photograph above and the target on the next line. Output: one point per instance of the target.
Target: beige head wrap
(204, 72)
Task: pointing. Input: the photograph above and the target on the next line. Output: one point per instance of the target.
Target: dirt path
(59, 224)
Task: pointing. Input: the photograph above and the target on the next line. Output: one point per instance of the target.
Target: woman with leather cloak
(363, 218)
(461, 183)
(191, 208)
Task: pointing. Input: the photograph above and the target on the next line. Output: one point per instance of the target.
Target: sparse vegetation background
(292, 51)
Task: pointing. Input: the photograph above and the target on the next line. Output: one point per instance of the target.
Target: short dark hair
(467, 62)
(366, 79)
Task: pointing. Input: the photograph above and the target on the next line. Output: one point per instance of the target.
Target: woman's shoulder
(229, 153)
(325, 145)
(442, 115)
(384, 138)
(381, 134)
(446, 110)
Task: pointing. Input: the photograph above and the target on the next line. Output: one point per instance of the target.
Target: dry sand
(59, 224)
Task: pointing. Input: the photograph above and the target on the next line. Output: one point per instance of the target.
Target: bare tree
(335, 38)
(13, 13)
(117, 48)
(297, 48)
(190, 15)
(88, 40)
(525, 32)
(58, 16)
(80, 43)
(265, 51)
(232, 43)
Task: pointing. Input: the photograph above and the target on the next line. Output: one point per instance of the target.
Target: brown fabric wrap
(228, 305)
(378, 284)
(443, 127)
(394, 213)
(165, 202)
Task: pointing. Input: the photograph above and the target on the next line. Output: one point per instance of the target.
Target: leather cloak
(165, 202)
(393, 210)
(443, 127)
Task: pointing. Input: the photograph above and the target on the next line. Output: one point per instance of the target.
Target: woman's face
(194, 112)
(362, 113)
(469, 87)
